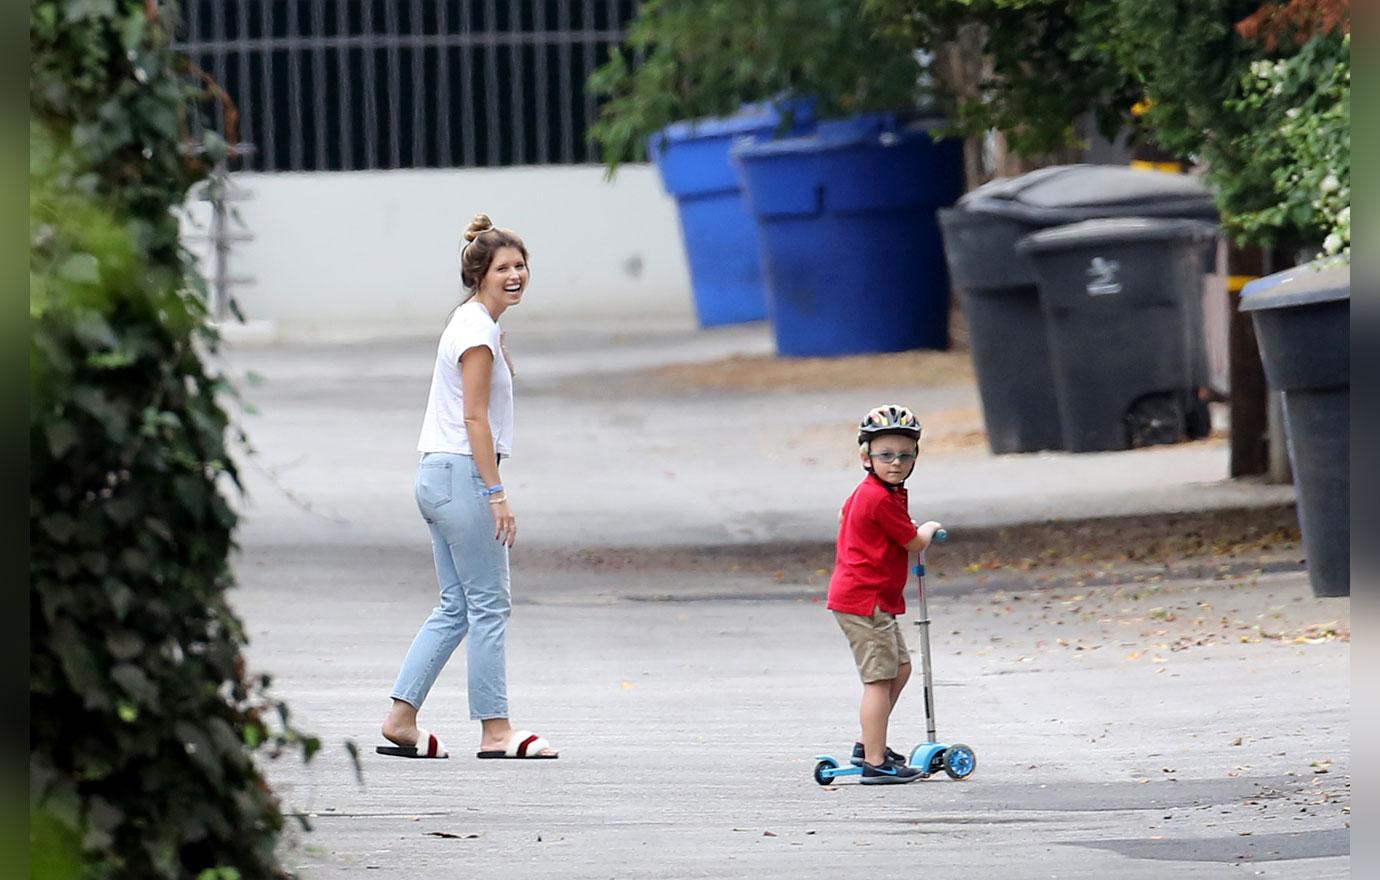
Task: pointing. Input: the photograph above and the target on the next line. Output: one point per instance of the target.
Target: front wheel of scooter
(959, 761)
(827, 764)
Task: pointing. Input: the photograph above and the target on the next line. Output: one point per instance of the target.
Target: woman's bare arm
(476, 373)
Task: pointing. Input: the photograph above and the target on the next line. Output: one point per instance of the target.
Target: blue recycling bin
(851, 247)
(720, 236)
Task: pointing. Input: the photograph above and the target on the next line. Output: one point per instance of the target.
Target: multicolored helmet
(889, 419)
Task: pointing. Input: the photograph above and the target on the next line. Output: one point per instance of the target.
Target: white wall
(349, 255)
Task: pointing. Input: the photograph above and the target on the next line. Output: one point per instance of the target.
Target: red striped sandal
(429, 745)
(522, 744)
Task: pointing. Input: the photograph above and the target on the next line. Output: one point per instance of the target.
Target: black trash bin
(1010, 347)
(1303, 325)
(1122, 302)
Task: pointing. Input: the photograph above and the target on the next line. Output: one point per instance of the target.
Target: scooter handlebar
(940, 536)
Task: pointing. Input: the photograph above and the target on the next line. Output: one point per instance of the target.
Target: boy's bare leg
(876, 709)
(898, 683)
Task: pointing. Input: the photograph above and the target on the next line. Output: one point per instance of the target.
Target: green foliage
(1190, 61)
(1188, 66)
(1200, 79)
(688, 59)
(1303, 142)
(1047, 66)
(1184, 63)
(141, 710)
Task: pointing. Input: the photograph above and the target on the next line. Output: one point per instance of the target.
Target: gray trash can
(1122, 303)
(1303, 324)
(1010, 347)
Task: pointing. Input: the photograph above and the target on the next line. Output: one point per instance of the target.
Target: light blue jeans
(472, 569)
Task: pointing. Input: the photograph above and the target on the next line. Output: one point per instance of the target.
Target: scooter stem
(924, 624)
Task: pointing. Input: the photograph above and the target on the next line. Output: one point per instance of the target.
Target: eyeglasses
(891, 457)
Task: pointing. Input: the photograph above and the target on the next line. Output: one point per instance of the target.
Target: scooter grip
(940, 536)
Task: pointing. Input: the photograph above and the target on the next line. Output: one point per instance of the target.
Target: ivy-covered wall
(143, 718)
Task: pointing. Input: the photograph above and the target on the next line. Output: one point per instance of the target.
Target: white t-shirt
(443, 428)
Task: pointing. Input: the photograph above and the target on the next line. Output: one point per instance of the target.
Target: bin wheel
(1154, 420)
(1199, 420)
(959, 761)
(826, 764)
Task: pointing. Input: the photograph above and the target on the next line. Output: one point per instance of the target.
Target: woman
(467, 431)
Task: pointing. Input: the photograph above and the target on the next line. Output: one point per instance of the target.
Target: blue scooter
(931, 756)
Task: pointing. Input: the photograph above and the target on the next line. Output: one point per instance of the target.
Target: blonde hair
(481, 241)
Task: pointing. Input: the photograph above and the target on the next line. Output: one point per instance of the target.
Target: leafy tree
(1045, 66)
(1187, 66)
(686, 59)
(143, 719)
(1199, 61)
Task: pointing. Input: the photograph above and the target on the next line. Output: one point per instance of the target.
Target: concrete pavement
(1187, 728)
(606, 457)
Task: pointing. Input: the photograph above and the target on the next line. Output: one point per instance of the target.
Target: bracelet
(498, 499)
(494, 489)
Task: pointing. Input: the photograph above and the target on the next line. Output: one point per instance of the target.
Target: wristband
(494, 489)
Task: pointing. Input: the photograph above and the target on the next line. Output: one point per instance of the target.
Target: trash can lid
(1316, 282)
(837, 134)
(762, 116)
(1115, 230)
(1065, 193)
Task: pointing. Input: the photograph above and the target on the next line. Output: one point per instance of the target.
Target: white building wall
(350, 255)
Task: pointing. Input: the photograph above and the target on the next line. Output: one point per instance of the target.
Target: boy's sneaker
(890, 757)
(889, 773)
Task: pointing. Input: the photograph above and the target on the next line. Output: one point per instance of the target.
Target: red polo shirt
(871, 563)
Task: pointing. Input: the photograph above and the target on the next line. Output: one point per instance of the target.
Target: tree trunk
(1249, 404)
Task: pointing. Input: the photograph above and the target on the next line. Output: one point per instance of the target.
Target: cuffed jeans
(472, 569)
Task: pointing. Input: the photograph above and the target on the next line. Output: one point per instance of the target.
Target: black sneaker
(891, 756)
(889, 773)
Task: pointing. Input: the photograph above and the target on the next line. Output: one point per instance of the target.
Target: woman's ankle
(401, 721)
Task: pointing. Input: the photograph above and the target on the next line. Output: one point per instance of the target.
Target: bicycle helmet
(889, 419)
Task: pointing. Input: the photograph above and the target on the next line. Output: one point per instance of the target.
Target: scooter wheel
(827, 764)
(959, 761)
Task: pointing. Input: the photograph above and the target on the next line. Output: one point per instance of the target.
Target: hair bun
(480, 223)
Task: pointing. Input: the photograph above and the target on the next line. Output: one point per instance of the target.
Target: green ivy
(143, 718)
(689, 59)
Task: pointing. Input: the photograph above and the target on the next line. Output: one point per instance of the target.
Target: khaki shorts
(878, 648)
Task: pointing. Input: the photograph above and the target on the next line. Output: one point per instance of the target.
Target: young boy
(876, 539)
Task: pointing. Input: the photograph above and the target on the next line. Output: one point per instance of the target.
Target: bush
(1303, 144)
(143, 719)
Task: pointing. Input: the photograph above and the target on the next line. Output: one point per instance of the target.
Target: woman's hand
(505, 524)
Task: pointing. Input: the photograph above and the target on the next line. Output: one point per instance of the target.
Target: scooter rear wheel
(819, 772)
